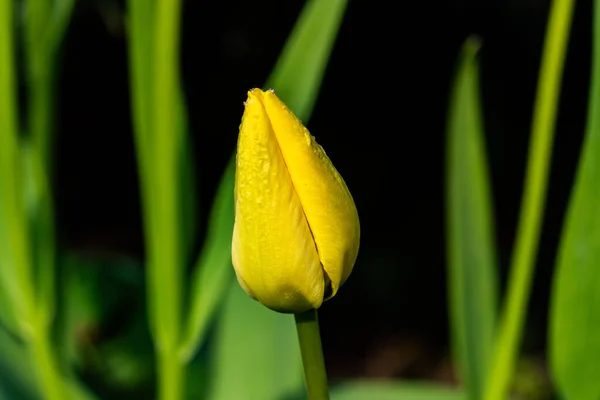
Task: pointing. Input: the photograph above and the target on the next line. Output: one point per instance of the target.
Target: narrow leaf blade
(575, 299)
(299, 71)
(470, 247)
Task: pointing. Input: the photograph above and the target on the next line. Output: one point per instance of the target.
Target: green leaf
(38, 199)
(12, 214)
(575, 301)
(140, 20)
(18, 382)
(384, 390)
(58, 23)
(297, 78)
(16, 378)
(213, 271)
(8, 280)
(470, 247)
(256, 355)
(299, 71)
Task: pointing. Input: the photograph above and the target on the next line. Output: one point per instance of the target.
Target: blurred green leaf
(17, 382)
(299, 71)
(256, 355)
(8, 280)
(59, 21)
(153, 149)
(471, 248)
(213, 271)
(510, 328)
(38, 198)
(13, 214)
(384, 390)
(16, 378)
(297, 78)
(140, 15)
(575, 301)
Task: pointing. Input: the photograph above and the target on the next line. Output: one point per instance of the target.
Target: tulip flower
(296, 233)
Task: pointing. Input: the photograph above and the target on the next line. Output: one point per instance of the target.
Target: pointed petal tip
(254, 95)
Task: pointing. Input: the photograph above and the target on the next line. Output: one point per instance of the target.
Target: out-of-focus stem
(167, 251)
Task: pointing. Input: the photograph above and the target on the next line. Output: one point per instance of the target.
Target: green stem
(532, 206)
(171, 375)
(307, 325)
(167, 249)
(46, 365)
(165, 159)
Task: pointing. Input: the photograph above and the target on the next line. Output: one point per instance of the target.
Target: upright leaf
(471, 250)
(9, 293)
(575, 301)
(299, 71)
(297, 79)
(213, 273)
(256, 355)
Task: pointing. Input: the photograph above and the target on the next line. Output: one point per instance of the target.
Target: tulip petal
(273, 250)
(325, 198)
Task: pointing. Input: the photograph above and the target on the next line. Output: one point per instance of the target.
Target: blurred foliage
(575, 308)
(391, 390)
(472, 275)
(92, 306)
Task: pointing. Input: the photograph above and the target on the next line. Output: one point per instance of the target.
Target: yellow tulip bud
(296, 232)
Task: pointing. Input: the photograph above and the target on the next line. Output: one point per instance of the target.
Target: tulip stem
(315, 375)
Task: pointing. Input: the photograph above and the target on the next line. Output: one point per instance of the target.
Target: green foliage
(299, 71)
(253, 352)
(471, 249)
(256, 355)
(362, 390)
(520, 278)
(15, 380)
(213, 272)
(575, 308)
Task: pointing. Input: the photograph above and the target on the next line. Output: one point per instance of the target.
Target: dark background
(380, 116)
